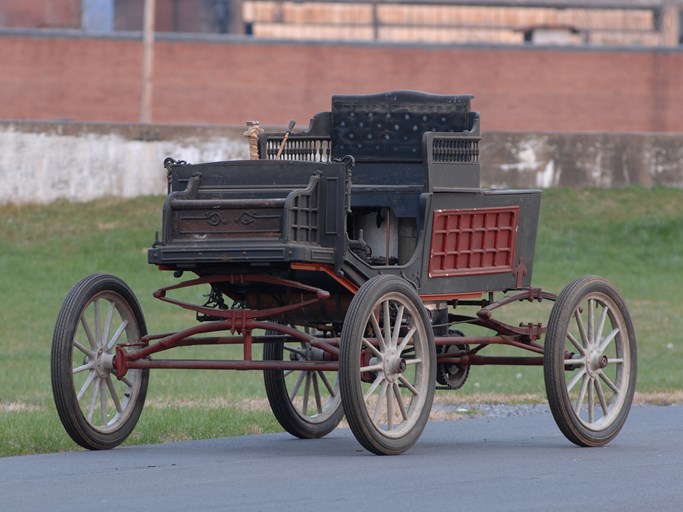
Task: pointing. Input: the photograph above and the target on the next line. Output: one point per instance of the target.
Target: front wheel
(387, 365)
(590, 361)
(96, 409)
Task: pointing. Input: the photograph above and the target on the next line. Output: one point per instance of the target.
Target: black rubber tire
(321, 417)
(606, 361)
(393, 368)
(119, 402)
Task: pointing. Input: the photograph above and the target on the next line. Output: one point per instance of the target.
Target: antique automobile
(349, 260)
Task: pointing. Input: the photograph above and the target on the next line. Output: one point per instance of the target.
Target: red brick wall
(78, 79)
(221, 82)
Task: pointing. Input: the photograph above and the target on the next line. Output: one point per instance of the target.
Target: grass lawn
(632, 236)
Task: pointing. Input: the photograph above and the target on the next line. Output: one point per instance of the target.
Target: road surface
(502, 462)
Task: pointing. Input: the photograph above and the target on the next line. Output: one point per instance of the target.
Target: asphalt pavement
(507, 461)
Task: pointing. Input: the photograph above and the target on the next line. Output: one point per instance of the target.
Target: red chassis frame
(242, 322)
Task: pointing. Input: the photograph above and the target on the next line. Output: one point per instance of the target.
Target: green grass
(632, 236)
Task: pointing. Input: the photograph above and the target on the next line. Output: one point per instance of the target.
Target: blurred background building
(574, 93)
(581, 65)
(636, 23)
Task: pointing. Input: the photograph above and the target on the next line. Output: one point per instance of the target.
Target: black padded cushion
(390, 125)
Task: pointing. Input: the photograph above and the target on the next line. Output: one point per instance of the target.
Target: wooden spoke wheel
(590, 361)
(387, 365)
(307, 404)
(97, 410)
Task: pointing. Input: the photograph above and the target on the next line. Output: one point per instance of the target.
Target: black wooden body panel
(528, 202)
(249, 178)
(417, 269)
(225, 214)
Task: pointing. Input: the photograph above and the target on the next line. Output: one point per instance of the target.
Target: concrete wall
(43, 162)
(228, 80)
(518, 160)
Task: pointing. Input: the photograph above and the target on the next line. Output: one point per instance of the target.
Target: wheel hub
(394, 365)
(104, 363)
(596, 361)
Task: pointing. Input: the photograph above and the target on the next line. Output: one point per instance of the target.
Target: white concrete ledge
(42, 162)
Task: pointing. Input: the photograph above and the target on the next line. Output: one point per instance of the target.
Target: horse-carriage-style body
(352, 253)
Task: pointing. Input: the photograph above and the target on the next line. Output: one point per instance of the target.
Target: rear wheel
(590, 361)
(307, 404)
(387, 365)
(96, 409)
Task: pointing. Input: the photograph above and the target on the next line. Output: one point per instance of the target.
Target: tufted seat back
(389, 126)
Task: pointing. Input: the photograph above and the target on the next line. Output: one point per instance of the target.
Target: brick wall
(230, 80)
